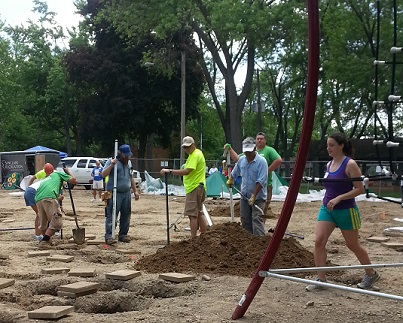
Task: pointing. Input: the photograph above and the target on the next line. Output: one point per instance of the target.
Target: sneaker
(125, 239)
(368, 281)
(100, 200)
(92, 200)
(311, 288)
(38, 238)
(110, 242)
(43, 245)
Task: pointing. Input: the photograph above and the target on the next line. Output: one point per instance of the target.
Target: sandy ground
(149, 299)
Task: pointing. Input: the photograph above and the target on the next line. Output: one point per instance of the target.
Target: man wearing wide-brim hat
(194, 180)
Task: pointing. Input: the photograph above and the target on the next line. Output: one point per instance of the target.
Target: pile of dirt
(226, 249)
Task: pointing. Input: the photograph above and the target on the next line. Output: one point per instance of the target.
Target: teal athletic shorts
(345, 219)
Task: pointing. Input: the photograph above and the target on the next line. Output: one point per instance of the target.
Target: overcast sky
(16, 12)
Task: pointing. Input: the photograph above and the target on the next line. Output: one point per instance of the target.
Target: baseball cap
(48, 168)
(125, 150)
(248, 144)
(187, 141)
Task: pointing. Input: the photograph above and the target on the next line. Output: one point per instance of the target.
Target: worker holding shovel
(46, 199)
(254, 171)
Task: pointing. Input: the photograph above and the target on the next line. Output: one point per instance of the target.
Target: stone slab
(55, 270)
(394, 245)
(5, 282)
(8, 220)
(378, 239)
(38, 253)
(3, 256)
(82, 272)
(61, 258)
(177, 277)
(78, 287)
(124, 274)
(90, 236)
(95, 242)
(50, 312)
(74, 295)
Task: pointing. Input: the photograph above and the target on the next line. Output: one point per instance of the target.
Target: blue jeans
(251, 218)
(124, 207)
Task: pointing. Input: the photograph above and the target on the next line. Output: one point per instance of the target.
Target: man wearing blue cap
(125, 185)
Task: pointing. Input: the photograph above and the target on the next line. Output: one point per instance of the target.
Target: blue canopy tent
(42, 148)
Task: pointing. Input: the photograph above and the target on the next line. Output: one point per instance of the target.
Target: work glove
(252, 200)
(230, 182)
(227, 146)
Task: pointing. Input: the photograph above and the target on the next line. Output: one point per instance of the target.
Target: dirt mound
(226, 249)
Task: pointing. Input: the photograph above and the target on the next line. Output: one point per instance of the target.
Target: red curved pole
(307, 126)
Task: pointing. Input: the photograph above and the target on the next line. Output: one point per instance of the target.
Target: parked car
(80, 168)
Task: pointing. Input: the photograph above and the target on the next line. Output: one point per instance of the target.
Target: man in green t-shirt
(194, 180)
(273, 159)
(46, 199)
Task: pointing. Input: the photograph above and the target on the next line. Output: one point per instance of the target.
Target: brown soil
(226, 253)
(226, 249)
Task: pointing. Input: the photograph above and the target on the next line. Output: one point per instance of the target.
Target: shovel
(78, 233)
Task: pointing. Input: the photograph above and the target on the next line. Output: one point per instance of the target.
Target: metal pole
(345, 288)
(114, 193)
(262, 273)
(167, 208)
(302, 155)
(183, 105)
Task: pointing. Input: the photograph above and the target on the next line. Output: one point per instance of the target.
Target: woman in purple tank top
(340, 210)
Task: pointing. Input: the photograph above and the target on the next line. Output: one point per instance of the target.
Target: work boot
(125, 239)
(110, 241)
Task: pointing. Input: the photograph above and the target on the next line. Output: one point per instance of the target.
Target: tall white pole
(115, 182)
(183, 105)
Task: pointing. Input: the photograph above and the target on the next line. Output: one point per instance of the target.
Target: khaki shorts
(194, 201)
(49, 212)
(98, 185)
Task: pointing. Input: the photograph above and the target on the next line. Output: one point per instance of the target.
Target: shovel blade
(79, 236)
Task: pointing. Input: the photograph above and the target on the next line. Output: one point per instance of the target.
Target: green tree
(122, 98)
(228, 34)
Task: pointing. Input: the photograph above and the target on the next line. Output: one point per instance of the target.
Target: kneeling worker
(46, 199)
